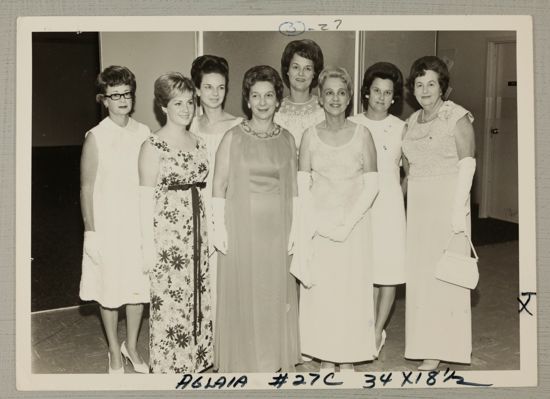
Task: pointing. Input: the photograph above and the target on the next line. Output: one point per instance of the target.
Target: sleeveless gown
(438, 314)
(337, 312)
(257, 316)
(180, 325)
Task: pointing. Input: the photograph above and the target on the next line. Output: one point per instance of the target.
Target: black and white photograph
(295, 202)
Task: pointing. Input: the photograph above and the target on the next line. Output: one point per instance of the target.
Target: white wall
(148, 55)
(468, 80)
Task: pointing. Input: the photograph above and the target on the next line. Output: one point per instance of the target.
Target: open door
(500, 177)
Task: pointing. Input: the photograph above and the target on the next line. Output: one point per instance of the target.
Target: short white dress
(388, 209)
(119, 279)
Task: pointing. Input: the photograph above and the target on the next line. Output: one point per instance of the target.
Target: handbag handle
(453, 235)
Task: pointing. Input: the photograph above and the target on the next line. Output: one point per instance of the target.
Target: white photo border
(522, 25)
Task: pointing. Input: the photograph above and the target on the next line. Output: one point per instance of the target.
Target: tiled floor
(72, 340)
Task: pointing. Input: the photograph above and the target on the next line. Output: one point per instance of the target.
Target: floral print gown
(180, 326)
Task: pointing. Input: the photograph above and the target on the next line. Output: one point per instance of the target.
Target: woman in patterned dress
(210, 74)
(337, 171)
(173, 166)
(301, 63)
(381, 89)
(111, 266)
(439, 145)
(253, 198)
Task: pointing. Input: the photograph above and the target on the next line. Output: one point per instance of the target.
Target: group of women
(264, 241)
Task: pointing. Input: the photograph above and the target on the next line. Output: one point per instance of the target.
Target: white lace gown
(298, 117)
(336, 313)
(438, 314)
(388, 209)
(212, 143)
(119, 278)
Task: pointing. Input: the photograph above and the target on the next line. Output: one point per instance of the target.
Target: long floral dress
(180, 325)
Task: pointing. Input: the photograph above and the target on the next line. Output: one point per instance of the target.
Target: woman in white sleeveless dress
(112, 267)
(337, 170)
(301, 63)
(210, 74)
(382, 87)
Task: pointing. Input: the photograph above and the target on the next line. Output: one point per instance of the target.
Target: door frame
(490, 110)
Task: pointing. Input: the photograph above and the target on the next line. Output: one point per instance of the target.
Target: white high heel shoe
(382, 342)
(138, 367)
(111, 370)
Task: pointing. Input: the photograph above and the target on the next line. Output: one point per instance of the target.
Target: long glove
(293, 225)
(146, 210)
(300, 266)
(220, 230)
(91, 246)
(466, 170)
(361, 206)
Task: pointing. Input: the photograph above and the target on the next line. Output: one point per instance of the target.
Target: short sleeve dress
(388, 209)
(298, 117)
(119, 279)
(438, 314)
(180, 323)
(337, 312)
(257, 308)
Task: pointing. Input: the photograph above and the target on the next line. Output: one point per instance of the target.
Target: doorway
(499, 198)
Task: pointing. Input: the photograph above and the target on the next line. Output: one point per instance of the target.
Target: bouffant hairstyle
(304, 48)
(210, 64)
(342, 74)
(429, 63)
(260, 73)
(114, 75)
(170, 85)
(382, 70)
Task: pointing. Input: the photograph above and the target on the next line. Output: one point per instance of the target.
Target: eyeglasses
(117, 96)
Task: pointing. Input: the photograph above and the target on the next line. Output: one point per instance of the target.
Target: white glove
(91, 246)
(466, 170)
(361, 206)
(146, 210)
(220, 230)
(293, 225)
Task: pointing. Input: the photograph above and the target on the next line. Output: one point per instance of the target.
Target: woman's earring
(392, 101)
(366, 96)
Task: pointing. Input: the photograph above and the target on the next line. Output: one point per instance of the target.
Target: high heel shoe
(138, 367)
(347, 368)
(111, 370)
(382, 342)
(429, 365)
(327, 366)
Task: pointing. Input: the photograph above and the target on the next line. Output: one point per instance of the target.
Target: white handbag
(458, 269)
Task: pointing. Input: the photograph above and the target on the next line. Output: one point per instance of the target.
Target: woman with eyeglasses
(173, 165)
(112, 272)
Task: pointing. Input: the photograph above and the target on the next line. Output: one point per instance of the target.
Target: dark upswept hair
(429, 63)
(260, 73)
(114, 75)
(170, 85)
(382, 70)
(210, 64)
(304, 48)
